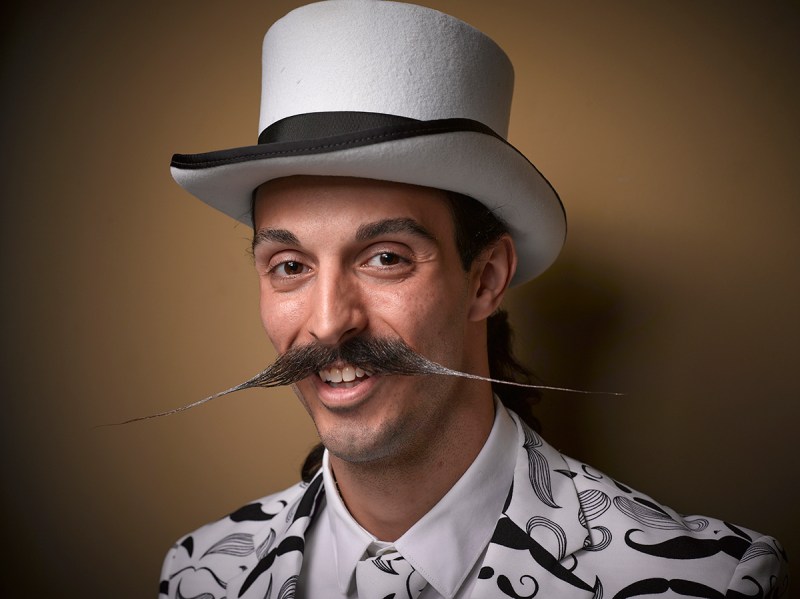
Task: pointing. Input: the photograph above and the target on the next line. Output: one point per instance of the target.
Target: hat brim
(447, 155)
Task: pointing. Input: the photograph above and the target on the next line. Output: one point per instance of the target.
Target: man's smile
(342, 388)
(343, 376)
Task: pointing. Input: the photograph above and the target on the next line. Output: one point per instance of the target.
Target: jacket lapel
(280, 549)
(539, 530)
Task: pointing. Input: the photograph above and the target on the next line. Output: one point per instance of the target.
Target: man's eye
(290, 268)
(386, 259)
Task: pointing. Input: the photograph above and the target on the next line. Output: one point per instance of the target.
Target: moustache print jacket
(566, 531)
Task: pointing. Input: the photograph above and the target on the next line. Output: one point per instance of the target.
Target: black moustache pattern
(690, 547)
(659, 586)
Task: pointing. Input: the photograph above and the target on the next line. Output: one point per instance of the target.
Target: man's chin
(362, 435)
(357, 450)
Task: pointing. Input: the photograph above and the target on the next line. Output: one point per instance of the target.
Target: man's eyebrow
(392, 225)
(276, 236)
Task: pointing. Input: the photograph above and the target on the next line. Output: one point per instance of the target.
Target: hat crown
(383, 57)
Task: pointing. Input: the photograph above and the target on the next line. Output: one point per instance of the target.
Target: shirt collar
(463, 520)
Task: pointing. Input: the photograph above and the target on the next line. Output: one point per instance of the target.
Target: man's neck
(387, 497)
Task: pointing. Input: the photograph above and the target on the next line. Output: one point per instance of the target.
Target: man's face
(339, 258)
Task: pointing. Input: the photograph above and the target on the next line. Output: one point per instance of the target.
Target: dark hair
(476, 228)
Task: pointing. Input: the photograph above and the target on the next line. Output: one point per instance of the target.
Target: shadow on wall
(564, 324)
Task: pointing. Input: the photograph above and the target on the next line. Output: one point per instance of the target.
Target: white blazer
(566, 531)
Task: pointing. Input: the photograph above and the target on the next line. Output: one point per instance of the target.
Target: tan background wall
(670, 130)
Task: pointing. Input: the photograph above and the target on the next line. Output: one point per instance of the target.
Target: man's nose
(337, 308)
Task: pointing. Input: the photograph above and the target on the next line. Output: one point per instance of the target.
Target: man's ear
(491, 275)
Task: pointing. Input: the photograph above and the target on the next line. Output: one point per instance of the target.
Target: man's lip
(336, 398)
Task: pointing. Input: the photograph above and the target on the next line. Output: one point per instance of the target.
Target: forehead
(299, 201)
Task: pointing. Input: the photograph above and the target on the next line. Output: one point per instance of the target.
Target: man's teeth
(346, 374)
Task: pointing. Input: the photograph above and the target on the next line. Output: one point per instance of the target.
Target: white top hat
(391, 91)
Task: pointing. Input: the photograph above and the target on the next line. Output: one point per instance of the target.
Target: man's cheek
(282, 323)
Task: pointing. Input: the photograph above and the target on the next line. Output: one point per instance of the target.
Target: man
(390, 216)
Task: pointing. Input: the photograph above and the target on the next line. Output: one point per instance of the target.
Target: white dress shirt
(444, 546)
